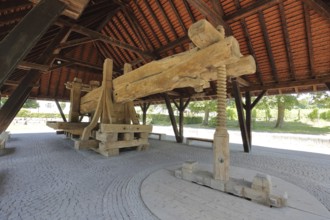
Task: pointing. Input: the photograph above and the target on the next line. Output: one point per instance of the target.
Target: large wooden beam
(20, 95)
(18, 43)
(320, 7)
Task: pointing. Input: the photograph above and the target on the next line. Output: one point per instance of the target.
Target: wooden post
(75, 100)
(18, 43)
(172, 118)
(20, 95)
(248, 110)
(60, 110)
(241, 118)
(181, 107)
(144, 108)
(130, 114)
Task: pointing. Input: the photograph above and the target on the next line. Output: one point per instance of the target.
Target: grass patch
(288, 127)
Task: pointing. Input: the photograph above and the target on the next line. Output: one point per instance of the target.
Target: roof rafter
(319, 6)
(268, 46)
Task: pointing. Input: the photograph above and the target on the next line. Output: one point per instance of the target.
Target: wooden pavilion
(45, 44)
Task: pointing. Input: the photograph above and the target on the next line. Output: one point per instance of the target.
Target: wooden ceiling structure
(44, 44)
(290, 40)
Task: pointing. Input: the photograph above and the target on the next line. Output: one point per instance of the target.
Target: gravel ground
(43, 177)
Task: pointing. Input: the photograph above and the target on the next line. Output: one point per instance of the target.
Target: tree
(31, 103)
(284, 102)
(203, 106)
(321, 99)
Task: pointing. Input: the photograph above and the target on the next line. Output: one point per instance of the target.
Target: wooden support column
(181, 107)
(241, 118)
(20, 95)
(248, 111)
(60, 110)
(144, 108)
(172, 118)
(18, 43)
(75, 92)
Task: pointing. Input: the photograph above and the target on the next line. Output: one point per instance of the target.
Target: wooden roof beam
(284, 25)
(309, 40)
(106, 39)
(268, 46)
(75, 42)
(24, 36)
(250, 10)
(319, 6)
(287, 84)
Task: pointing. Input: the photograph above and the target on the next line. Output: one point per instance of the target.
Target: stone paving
(43, 177)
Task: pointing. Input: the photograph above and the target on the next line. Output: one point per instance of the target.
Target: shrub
(313, 115)
(325, 115)
(231, 114)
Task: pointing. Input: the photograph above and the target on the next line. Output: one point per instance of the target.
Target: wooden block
(128, 136)
(122, 144)
(203, 34)
(120, 128)
(87, 144)
(107, 153)
(106, 137)
(67, 125)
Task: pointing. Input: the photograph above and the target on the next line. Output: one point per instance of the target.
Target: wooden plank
(74, 8)
(66, 125)
(26, 34)
(75, 100)
(117, 128)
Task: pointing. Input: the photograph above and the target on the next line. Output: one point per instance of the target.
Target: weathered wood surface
(184, 74)
(122, 144)
(194, 68)
(113, 128)
(66, 125)
(74, 8)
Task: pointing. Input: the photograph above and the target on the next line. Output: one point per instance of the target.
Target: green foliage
(325, 115)
(201, 106)
(313, 115)
(31, 103)
(192, 120)
(160, 119)
(231, 114)
(321, 100)
(24, 113)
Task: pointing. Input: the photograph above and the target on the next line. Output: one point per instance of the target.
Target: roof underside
(289, 39)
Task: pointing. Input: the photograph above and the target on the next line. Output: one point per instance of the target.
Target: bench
(189, 139)
(161, 136)
(3, 138)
